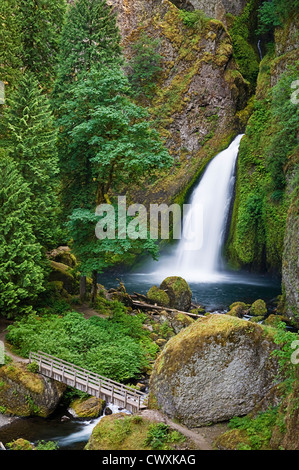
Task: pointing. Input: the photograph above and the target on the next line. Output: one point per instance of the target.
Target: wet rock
(217, 368)
(178, 291)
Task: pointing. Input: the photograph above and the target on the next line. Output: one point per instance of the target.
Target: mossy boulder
(88, 408)
(180, 321)
(217, 368)
(63, 255)
(24, 393)
(178, 291)
(238, 309)
(130, 433)
(20, 444)
(158, 296)
(63, 273)
(231, 440)
(258, 308)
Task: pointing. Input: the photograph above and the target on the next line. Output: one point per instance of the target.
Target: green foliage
(30, 138)
(159, 436)
(145, 65)
(90, 38)
(21, 262)
(258, 429)
(287, 369)
(10, 43)
(285, 115)
(41, 22)
(117, 348)
(106, 143)
(261, 204)
(193, 19)
(272, 14)
(244, 52)
(49, 445)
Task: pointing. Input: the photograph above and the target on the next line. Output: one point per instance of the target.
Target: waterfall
(198, 255)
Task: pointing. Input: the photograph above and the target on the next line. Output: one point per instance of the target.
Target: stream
(61, 427)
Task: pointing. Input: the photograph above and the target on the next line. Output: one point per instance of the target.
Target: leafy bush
(258, 429)
(193, 19)
(118, 348)
(272, 14)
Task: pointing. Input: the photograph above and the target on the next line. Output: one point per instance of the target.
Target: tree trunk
(83, 288)
(94, 285)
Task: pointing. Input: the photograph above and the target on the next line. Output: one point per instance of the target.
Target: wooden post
(75, 376)
(87, 384)
(126, 399)
(112, 394)
(51, 370)
(100, 385)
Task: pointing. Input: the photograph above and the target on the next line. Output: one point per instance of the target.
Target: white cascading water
(197, 257)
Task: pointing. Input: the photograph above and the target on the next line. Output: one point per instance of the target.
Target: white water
(197, 257)
(85, 428)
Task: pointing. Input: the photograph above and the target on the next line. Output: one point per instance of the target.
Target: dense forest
(101, 100)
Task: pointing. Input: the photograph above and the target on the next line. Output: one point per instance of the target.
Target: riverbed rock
(178, 291)
(24, 393)
(258, 308)
(217, 368)
(89, 408)
(238, 309)
(158, 296)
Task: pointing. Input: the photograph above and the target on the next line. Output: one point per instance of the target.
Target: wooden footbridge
(89, 382)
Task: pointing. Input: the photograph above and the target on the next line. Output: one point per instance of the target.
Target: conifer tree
(10, 43)
(30, 137)
(21, 261)
(41, 23)
(89, 38)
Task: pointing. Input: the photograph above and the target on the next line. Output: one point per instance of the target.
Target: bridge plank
(93, 384)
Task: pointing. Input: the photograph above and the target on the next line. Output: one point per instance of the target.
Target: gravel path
(201, 442)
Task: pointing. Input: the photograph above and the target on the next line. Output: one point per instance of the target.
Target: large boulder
(178, 291)
(24, 393)
(217, 368)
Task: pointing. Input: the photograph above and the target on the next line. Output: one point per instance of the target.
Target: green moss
(88, 408)
(258, 308)
(123, 432)
(158, 296)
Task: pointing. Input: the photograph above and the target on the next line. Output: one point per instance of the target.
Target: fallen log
(146, 306)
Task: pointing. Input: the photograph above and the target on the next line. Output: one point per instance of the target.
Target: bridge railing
(90, 382)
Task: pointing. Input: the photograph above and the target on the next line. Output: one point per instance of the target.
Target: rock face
(24, 393)
(217, 368)
(213, 8)
(198, 91)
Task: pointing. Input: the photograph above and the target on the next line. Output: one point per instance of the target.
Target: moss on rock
(158, 296)
(218, 367)
(24, 393)
(178, 291)
(258, 308)
(90, 408)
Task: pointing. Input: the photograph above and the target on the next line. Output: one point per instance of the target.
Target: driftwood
(146, 306)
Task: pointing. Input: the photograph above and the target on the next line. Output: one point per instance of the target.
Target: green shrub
(118, 347)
